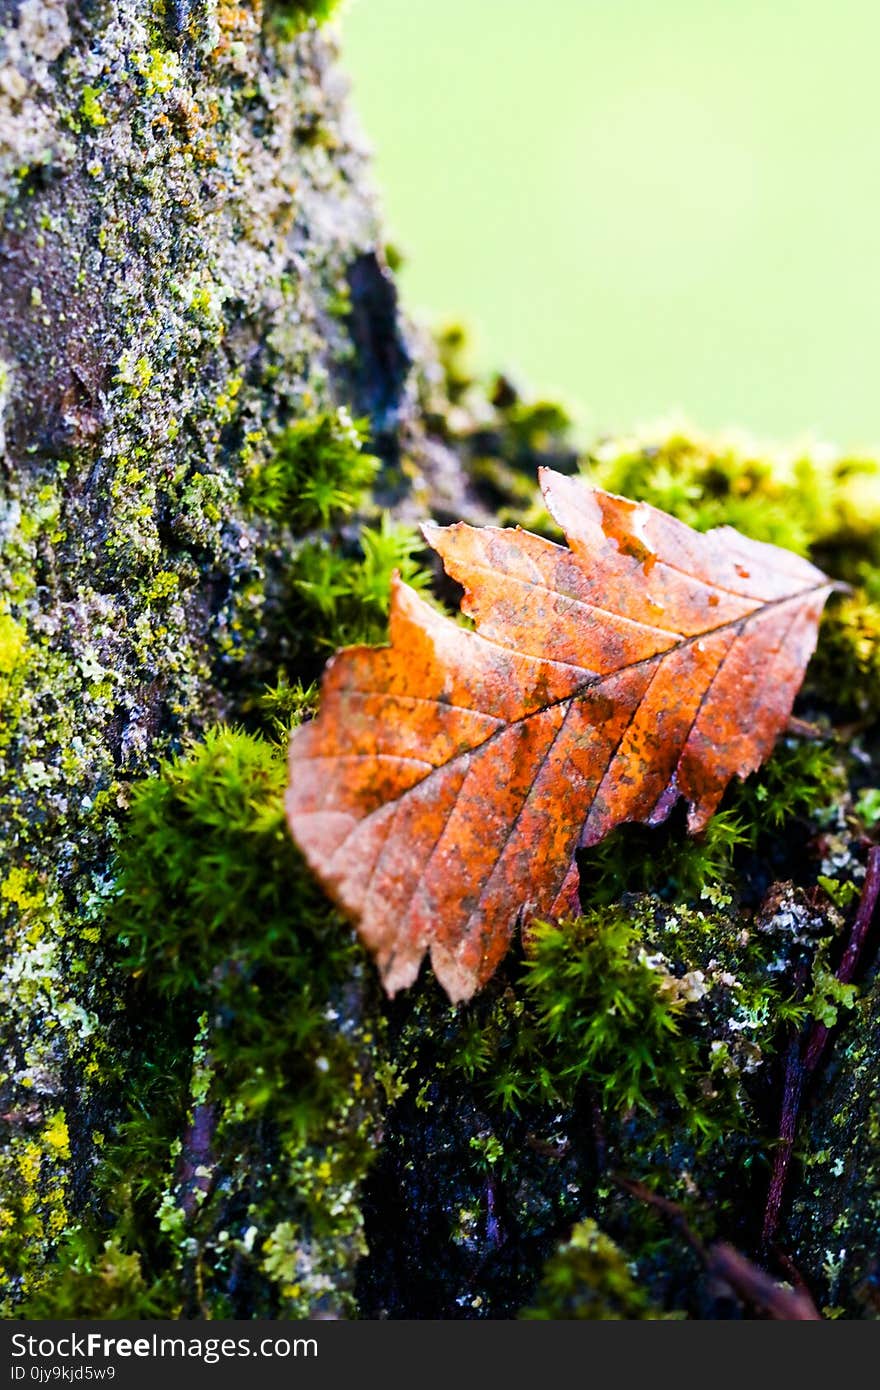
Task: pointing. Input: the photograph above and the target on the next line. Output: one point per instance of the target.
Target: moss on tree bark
(191, 259)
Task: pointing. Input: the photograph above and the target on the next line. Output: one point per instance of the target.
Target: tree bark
(191, 258)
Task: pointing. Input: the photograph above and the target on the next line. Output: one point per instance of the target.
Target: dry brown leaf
(443, 790)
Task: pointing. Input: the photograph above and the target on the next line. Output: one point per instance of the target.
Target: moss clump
(344, 590)
(634, 1004)
(317, 472)
(290, 17)
(669, 862)
(253, 1060)
(612, 1015)
(590, 1277)
(215, 906)
(98, 1282)
(801, 500)
(848, 659)
(184, 859)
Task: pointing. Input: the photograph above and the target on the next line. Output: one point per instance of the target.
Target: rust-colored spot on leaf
(449, 778)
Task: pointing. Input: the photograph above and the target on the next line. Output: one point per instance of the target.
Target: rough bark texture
(190, 259)
(191, 265)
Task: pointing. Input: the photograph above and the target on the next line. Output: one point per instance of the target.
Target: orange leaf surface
(441, 793)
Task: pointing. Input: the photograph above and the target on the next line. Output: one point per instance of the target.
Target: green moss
(290, 17)
(609, 1014)
(798, 781)
(590, 1277)
(847, 664)
(666, 861)
(648, 1006)
(96, 1282)
(344, 594)
(209, 880)
(187, 830)
(90, 107)
(238, 968)
(819, 503)
(638, 1038)
(318, 471)
(283, 705)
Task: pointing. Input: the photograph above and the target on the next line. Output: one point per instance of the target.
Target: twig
(751, 1283)
(863, 918)
(792, 1094)
(754, 1285)
(671, 1210)
(814, 733)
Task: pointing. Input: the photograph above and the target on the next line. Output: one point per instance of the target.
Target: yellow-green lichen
(90, 107)
(159, 68)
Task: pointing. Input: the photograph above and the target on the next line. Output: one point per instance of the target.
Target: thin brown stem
(671, 1210)
(755, 1286)
(813, 733)
(749, 1282)
(792, 1093)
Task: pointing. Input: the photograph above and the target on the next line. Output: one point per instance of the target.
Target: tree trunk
(191, 258)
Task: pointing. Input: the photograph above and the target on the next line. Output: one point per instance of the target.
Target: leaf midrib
(592, 683)
(657, 657)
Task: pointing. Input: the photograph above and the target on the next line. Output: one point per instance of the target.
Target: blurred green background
(640, 205)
